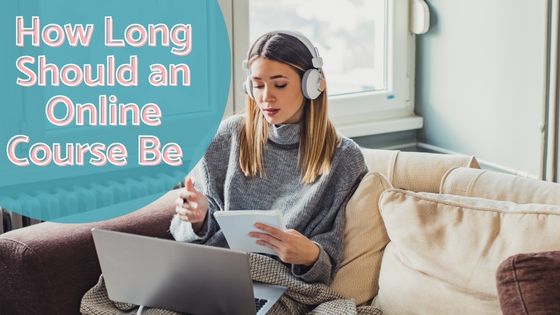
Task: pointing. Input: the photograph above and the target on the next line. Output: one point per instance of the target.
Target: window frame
(354, 114)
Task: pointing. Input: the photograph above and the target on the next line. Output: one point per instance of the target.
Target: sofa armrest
(416, 171)
(499, 186)
(46, 268)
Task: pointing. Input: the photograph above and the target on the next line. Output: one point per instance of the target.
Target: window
(355, 37)
(367, 49)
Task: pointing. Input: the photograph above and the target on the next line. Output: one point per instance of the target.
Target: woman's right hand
(192, 205)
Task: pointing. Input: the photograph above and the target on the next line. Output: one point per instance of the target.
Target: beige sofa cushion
(415, 171)
(445, 250)
(381, 161)
(364, 240)
(499, 186)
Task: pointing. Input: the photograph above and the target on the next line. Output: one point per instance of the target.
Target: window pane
(351, 36)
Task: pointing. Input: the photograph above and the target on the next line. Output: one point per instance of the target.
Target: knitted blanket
(299, 298)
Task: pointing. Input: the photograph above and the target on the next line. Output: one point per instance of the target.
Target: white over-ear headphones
(312, 82)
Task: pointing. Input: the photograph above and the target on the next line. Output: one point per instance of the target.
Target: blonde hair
(318, 137)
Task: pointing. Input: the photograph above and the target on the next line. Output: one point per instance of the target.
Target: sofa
(425, 234)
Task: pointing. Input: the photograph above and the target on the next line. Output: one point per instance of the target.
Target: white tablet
(236, 225)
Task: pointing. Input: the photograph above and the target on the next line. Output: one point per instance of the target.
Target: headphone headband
(312, 82)
(316, 59)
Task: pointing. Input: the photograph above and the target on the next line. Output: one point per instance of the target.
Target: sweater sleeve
(209, 176)
(182, 230)
(330, 245)
(329, 234)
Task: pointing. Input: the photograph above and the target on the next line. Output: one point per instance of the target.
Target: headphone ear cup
(311, 84)
(248, 87)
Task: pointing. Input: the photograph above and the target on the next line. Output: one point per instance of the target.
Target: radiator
(85, 198)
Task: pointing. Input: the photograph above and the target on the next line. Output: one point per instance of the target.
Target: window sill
(368, 128)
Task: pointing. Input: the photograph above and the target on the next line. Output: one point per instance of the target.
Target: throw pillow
(364, 240)
(445, 250)
(530, 284)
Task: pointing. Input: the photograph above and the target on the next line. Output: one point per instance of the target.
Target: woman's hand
(192, 205)
(291, 246)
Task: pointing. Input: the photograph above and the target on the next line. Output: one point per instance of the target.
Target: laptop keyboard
(259, 303)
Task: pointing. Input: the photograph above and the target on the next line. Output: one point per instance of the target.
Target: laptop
(183, 277)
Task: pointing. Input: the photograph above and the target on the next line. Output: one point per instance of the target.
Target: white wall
(480, 79)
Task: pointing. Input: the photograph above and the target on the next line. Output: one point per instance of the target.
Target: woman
(284, 153)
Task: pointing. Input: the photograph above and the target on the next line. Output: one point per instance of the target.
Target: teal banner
(106, 104)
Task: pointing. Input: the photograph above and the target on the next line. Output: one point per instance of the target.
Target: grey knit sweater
(316, 210)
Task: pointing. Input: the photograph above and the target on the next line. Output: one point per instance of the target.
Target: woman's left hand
(291, 246)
